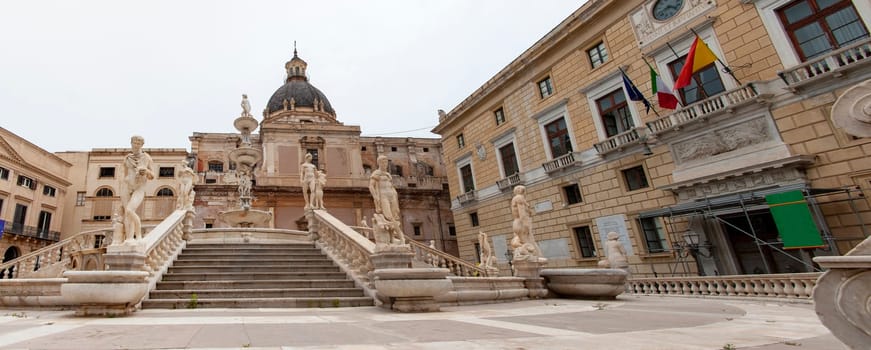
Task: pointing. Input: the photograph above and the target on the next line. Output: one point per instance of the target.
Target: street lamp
(692, 243)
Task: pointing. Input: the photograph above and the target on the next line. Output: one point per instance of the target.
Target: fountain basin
(246, 156)
(586, 283)
(246, 217)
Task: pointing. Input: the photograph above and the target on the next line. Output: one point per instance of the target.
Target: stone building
(299, 120)
(33, 183)
(675, 184)
(93, 198)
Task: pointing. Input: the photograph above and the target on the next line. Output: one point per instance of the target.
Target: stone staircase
(254, 275)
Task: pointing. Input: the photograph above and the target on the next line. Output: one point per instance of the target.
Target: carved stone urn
(412, 290)
(586, 283)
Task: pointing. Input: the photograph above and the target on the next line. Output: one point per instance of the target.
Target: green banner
(794, 221)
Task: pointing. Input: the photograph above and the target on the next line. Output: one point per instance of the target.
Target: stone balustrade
(52, 260)
(561, 162)
(704, 109)
(467, 197)
(164, 243)
(344, 245)
(437, 258)
(834, 63)
(791, 286)
(620, 141)
(509, 181)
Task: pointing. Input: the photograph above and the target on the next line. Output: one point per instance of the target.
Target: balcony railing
(620, 141)
(561, 162)
(467, 197)
(790, 285)
(832, 64)
(509, 181)
(714, 105)
(30, 231)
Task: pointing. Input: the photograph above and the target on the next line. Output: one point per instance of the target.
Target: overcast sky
(76, 75)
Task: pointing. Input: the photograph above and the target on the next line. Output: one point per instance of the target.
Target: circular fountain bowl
(245, 123)
(246, 218)
(586, 283)
(246, 155)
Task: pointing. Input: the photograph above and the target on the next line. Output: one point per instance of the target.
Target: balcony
(725, 102)
(620, 141)
(562, 162)
(467, 197)
(30, 231)
(834, 64)
(509, 181)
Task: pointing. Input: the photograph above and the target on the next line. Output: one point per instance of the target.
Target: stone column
(530, 271)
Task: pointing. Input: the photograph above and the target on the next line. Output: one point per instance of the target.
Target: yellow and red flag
(700, 56)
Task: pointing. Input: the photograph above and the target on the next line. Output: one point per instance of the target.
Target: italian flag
(664, 95)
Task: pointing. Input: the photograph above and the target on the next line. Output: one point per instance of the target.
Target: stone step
(257, 302)
(183, 261)
(203, 294)
(198, 256)
(301, 245)
(254, 268)
(239, 251)
(253, 276)
(256, 284)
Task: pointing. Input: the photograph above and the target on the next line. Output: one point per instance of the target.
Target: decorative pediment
(6, 151)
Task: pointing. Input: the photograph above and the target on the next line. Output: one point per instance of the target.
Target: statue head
(308, 157)
(136, 142)
(245, 96)
(519, 189)
(613, 236)
(382, 162)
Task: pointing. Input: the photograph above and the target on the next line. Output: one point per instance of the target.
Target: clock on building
(665, 9)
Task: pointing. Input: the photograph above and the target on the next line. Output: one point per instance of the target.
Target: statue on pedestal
(488, 259)
(308, 179)
(523, 242)
(246, 106)
(318, 198)
(386, 220)
(616, 253)
(186, 180)
(136, 170)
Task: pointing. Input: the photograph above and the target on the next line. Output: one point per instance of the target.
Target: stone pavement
(630, 322)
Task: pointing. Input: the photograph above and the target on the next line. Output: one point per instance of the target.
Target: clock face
(665, 9)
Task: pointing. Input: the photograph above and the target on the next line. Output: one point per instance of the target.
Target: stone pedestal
(127, 256)
(104, 293)
(412, 290)
(530, 271)
(586, 283)
(842, 296)
(396, 258)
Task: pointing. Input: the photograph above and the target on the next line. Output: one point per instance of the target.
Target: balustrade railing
(55, 257)
(509, 181)
(30, 231)
(833, 62)
(165, 241)
(617, 142)
(467, 197)
(437, 258)
(704, 109)
(561, 162)
(344, 245)
(793, 285)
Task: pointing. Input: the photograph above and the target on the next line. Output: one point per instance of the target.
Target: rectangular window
(816, 27)
(425, 149)
(616, 117)
(653, 235)
(48, 190)
(545, 87)
(80, 199)
(452, 230)
(392, 149)
(314, 153)
(44, 223)
(509, 159)
(585, 241)
(417, 229)
(25, 181)
(467, 179)
(209, 225)
(216, 166)
(635, 178)
(573, 194)
(1, 205)
(461, 141)
(705, 83)
(478, 253)
(20, 216)
(107, 172)
(166, 171)
(500, 116)
(598, 54)
(558, 137)
(4, 173)
(474, 218)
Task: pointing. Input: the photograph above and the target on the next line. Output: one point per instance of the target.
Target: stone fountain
(246, 158)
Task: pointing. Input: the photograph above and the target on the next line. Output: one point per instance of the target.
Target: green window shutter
(794, 221)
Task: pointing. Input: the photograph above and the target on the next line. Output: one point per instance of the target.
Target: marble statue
(187, 178)
(523, 242)
(246, 106)
(318, 198)
(244, 181)
(615, 253)
(386, 221)
(136, 171)
(308, 174)
(488, 259)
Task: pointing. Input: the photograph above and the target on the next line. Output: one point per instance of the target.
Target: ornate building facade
(686, 189)
(299, 120)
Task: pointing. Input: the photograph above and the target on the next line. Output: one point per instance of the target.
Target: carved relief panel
(656, 18)
(706, 145)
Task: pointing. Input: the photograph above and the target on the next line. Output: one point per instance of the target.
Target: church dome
(297, 91)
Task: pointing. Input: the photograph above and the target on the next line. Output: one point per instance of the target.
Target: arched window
(104, 192)
(165, 192)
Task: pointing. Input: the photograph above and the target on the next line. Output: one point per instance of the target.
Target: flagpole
(639, 91)
(726, 68)
(651, 67)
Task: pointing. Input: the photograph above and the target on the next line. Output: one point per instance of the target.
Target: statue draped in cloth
(186, 180)
(136, 171)
(386, 221)
(523, 242)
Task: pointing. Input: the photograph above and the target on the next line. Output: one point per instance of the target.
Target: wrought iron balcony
(30, 231)
(561, 162)
(467, 197)
(833, 64)
(621, 141)
(709, 107)
(509, 181)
